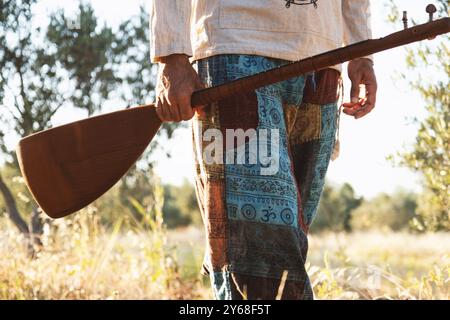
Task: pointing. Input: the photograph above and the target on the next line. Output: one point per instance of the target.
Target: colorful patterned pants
(256, 225)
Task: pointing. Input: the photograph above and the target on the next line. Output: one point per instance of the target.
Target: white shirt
(202, 28)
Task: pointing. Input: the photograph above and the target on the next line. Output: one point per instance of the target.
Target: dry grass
(80, 259)
(380, 266)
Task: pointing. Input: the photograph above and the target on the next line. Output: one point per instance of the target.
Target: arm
(171, 48)
(356, 16)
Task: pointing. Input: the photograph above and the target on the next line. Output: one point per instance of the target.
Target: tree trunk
(11, 208)
(37, 226)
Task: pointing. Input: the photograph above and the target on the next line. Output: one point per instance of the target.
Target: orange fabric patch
(216, 224)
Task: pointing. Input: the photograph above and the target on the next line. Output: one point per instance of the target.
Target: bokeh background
(382, 231)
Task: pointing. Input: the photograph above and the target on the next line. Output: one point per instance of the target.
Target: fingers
(185, 110)
(175, 112)
(184, 107)
(361, 73)
(166, 106)
(354, 91)
(167, 111)
(370, 83)
(174, 105)
(177, 80)
(162, 109)
(174, 108)
(351, 108)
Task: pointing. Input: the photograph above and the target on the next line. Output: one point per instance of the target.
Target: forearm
(170, 28)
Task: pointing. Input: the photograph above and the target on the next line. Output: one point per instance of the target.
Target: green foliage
(28, 74)
(340, 210)
(430, 154)
(180, 205)
(85, 51)
(386, 212)
(335, 209)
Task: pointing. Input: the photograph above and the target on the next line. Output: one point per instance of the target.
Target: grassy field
(81, 260)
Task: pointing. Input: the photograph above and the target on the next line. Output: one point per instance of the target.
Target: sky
(365, 143)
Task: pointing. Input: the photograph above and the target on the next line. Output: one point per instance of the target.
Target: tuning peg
(431, 9)
(405, 20)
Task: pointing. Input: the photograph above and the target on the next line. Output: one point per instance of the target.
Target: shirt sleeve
(170, 28)
(356, 21)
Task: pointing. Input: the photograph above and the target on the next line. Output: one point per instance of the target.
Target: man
(256, 224)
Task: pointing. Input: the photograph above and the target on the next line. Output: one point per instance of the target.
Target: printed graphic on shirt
(300, 2)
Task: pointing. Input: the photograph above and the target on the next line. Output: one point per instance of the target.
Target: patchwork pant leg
(255, 223)
(312, 131)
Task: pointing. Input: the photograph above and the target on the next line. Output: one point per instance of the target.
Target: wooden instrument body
(69, 166)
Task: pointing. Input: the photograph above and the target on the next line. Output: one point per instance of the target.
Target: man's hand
(360, 71)
(177, 80)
